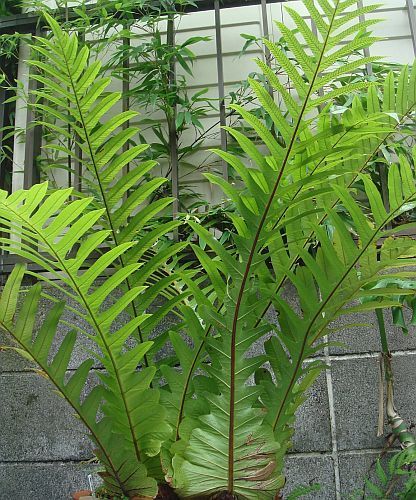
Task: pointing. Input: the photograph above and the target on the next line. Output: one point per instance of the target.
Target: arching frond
(74, 99)
(46, 230)
(279, 211)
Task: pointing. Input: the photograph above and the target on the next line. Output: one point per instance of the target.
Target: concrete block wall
(44, 452)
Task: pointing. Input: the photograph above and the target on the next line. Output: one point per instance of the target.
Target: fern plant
(219, 423)
(396, 477)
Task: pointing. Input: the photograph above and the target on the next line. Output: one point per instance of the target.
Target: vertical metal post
(412, 21)
(369, 66)
(3, 169)
(221, 86)
(173, 138)
(78, 156)
(266, 34)
(78, 166)
(33, 138)
(71, 180)
(315, 32)
(126, 88)
(382, 172)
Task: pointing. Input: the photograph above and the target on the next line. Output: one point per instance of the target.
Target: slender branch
(398, 426)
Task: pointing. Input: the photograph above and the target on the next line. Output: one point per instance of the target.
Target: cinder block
(404, 367)
(10, 361)
(38, 425)
(365, 338)
(355, 383)
(312, 426)
(169, 321)
(52, 481)
(356, 468)
(308, 470)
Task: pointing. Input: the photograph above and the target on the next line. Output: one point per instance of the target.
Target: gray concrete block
(365, 338)
(308, 470)
(53, 481)
(355, 383)
(37, 424)
(404, 367)
(9, 359)
(167, 322)
(312, 426)
(356, 468)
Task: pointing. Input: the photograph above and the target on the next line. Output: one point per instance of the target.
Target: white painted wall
(396, 47)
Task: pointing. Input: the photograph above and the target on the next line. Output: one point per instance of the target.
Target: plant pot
(165, 493)
(82, 495)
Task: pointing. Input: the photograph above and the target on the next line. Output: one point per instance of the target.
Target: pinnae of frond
(253, 251)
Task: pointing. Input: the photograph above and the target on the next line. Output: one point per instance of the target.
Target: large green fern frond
(36, 346)
(343, 270)
(74, 101)
(46, 229)
(285, 195)
(361, 145)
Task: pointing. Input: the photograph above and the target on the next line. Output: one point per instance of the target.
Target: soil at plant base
(166, 493)
(224, 495)
(81, 493)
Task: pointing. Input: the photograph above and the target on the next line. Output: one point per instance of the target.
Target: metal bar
(26, 23)
(78, 166)
(7, 114)
(315, 32)
(221, 85)
(3, 169)
(78, 154)
(33, 140)
(412, 21)
(369, 66)
(266, 34)
(126, 90)
(71, 177)
(382, 172)
(173, 137)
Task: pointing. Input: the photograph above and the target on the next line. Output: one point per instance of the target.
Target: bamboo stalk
(398, 426)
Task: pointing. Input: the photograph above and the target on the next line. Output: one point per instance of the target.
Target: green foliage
(60, 235)
(214, 418)
(73, 93)
(301, 491)
(10, 7)
(56, 225)
(394, 479)
(278, 215)
(112, 31)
